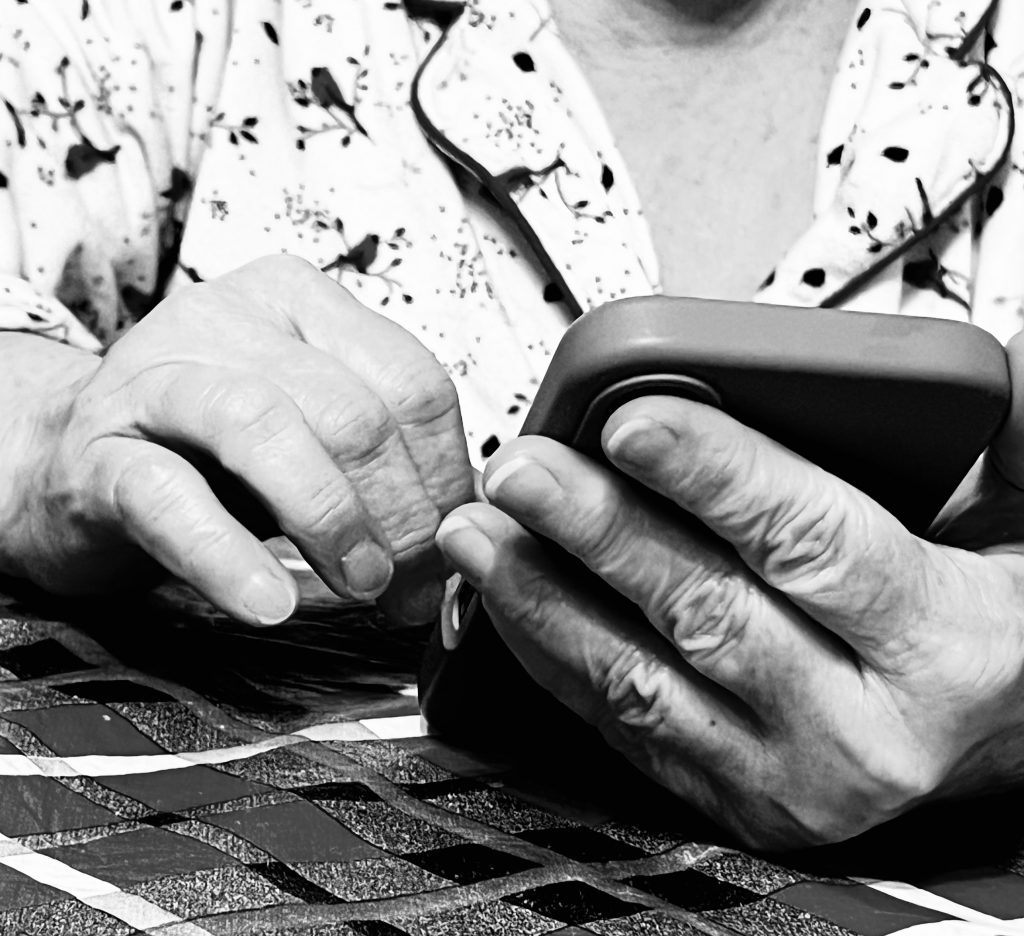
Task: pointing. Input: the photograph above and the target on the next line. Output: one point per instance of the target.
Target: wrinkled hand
(811, 670)
(336, 421)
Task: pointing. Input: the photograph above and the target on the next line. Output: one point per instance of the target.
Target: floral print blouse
(446, 163)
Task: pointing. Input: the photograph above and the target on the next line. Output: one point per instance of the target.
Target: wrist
(39, 382)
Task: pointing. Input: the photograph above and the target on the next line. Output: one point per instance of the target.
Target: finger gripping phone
(898, 406)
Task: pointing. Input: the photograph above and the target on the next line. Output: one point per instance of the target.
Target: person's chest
(720, 136)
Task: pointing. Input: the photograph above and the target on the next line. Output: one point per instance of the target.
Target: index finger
(829, 548)
(691, 586)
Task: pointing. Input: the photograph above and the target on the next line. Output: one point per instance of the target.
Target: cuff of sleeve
(22, 309)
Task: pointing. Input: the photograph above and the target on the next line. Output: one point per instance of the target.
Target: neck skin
(716, 106)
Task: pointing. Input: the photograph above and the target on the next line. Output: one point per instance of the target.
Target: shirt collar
(918, 122)
(500, 95)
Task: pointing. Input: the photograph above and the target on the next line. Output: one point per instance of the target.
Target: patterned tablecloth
(165, 771)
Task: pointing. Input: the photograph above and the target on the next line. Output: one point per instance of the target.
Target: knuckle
(706, 615)
(419, 390)
(415, 533)
(806, 542)
(331, 507)
(721, 477)
(632, 686)
(595, 527)
(359, 431)
(251, 408)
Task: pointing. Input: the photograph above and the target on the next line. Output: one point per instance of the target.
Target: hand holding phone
(899, 407)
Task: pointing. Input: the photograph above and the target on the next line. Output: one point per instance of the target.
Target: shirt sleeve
(104, 110)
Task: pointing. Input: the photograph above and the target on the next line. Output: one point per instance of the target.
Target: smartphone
(900, 407)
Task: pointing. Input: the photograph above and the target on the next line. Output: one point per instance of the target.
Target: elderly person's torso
(717, 109)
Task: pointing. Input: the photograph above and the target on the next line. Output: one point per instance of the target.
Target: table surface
(163, 770)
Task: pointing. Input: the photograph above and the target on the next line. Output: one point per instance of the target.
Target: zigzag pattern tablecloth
(164, 771)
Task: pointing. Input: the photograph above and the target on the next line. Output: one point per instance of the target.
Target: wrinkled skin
(272, 385)
(809, 671)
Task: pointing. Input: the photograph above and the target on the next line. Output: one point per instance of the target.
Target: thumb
(829, 548)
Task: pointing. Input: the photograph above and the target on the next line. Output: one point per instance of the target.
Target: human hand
(342, 427)
(808, 671)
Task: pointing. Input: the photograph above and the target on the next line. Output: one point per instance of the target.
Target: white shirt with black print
(447, 164)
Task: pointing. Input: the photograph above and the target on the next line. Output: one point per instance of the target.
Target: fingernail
(531, 479)
(640, 439)
(467, 548)
(268, 599)
(367, 570)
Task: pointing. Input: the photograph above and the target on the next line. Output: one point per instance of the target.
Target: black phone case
(900, 407)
